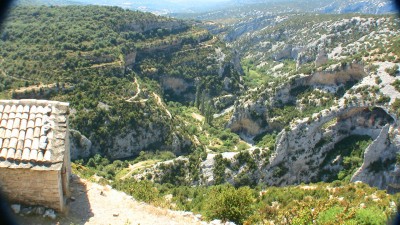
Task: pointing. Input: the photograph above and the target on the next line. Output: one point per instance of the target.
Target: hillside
(113, 65)
(289, 115)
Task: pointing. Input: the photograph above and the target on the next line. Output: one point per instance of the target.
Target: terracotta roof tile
(24, 124)
(26, 109)
(2, 133)
(13, 109)
(17, 123)
(31, 124)
(11, 116)
(7, 109)
(10, 123)
(11, 154)
(25, 154)
(27, 131)
(20, 109)
(14, 133)
(3, 123)
(36, 132)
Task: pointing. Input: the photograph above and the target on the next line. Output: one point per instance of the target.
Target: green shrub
(228, 203)
(143, 191)
(392, 71)
(329, 216)
(370, 216)
(219, 169)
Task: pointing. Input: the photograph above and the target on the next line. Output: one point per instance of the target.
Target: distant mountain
(190, 6)
(154, 6)
(361, 6)
(336, 6)
(46, 2)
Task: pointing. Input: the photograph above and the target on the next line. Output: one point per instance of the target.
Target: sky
(196, 1)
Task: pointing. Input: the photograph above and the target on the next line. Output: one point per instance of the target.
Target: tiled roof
(32, 133)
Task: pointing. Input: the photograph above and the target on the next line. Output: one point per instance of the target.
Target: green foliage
(324, 203)
(268, 141)
(351, 151)
(140, 190)
(280, 170)
(158, 155)
(393, 71)
(219, 169)
(330, 216)
(86, 53)
(370, 216)
(229, 203)
(383, 99)
(396, 106)
(396, 84)
(101, 166)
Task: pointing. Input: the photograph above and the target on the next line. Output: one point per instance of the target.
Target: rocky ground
(96, 204)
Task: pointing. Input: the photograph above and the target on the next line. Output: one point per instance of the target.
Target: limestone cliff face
(382, 149)
(81, 146)
(150, 138)
(131, 143)
(338, 74)
(251, 116)
(177, 85)
(130, 59)
(302, 149)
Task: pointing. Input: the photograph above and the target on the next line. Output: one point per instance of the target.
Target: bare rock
(39, 210)
(16, 208)
(50, 214)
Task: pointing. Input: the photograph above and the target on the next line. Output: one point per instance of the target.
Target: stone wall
(33, 187)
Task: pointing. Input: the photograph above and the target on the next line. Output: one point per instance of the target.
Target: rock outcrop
(303, 148)
(80, 145)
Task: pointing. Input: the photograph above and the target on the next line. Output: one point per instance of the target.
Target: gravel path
(95, 204)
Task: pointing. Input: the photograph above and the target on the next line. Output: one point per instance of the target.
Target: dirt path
(137, 92)
(137, 166)
(198, 117)
(100, 205)
(160, 103)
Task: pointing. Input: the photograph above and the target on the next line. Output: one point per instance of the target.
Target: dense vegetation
(98, 58)
(165, 80)
(351, 152)
(335, 203)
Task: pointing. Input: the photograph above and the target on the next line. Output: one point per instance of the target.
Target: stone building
(34, 152)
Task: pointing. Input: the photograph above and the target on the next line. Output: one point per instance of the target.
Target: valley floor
(96, 204)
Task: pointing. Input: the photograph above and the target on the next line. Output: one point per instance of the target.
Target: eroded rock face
(81, 146)
(176, 84)
(156, 138)
(301, 151)
(130, 59)
(251, 118)
(338, 74)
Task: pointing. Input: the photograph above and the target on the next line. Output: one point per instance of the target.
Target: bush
(370, 216)
(230, 204)
(329, 216)
(392, 71)
(143, 191)
(219, 169)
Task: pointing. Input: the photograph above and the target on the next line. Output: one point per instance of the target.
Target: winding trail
(137, 166)
(160, 103)
(138, 91)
